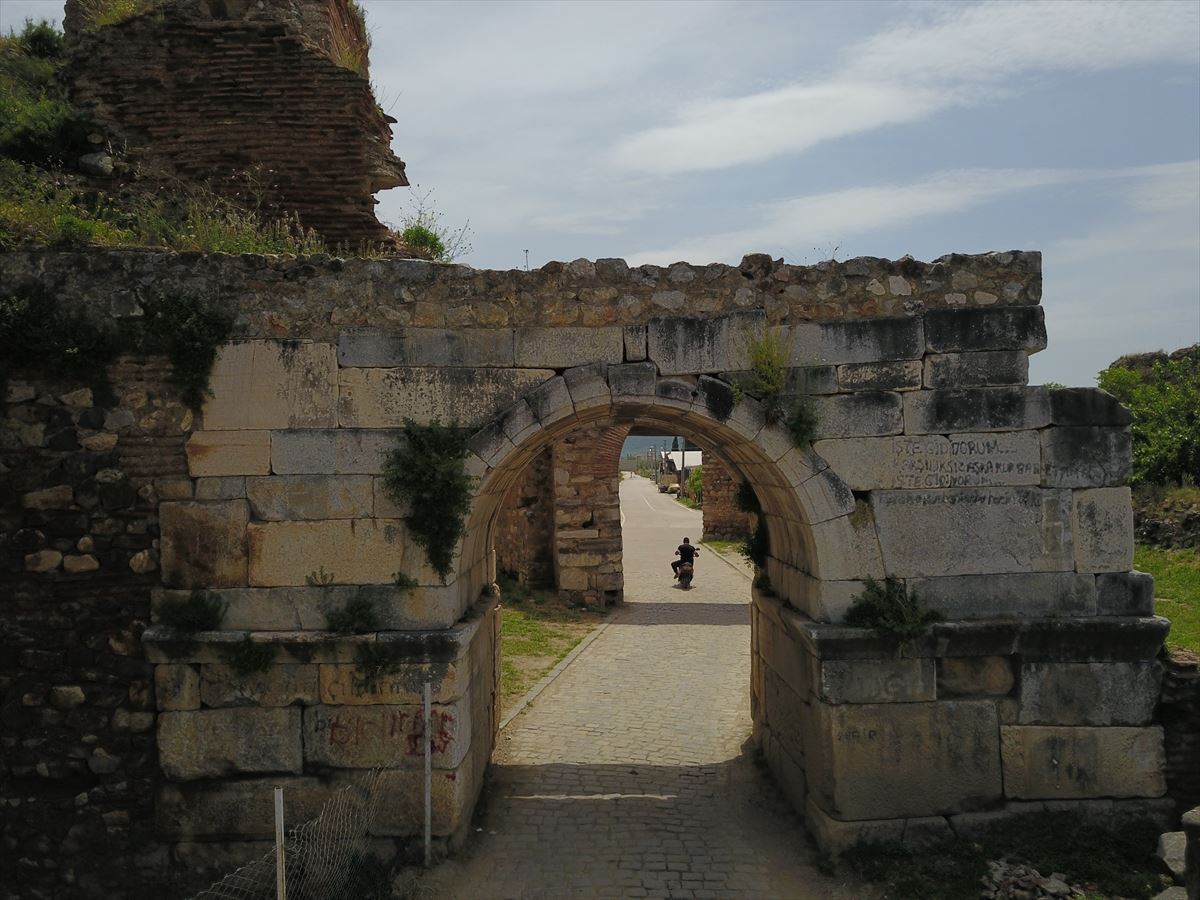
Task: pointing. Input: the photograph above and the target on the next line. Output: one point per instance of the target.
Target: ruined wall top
(204, 91)
(315, 297)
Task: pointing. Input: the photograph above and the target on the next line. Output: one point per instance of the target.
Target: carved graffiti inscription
(967, 460)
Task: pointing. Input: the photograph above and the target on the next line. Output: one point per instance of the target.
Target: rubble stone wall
(723, 521)
(525, 526)
(1002, 505)
(1179, 712)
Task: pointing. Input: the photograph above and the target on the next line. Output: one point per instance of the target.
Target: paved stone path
(630, 775)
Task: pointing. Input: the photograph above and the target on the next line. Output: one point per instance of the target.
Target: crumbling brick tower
(219, 92)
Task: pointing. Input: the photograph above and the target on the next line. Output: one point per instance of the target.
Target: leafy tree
(1165, 402)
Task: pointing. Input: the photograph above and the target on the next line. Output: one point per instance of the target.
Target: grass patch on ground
(1116, 862)
(537, 630)
(725, 548)
(687, 501)
(1177, 589)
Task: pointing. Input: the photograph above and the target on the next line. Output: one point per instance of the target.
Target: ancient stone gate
(1000, 504)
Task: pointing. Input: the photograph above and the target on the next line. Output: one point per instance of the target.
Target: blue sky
(703, 131)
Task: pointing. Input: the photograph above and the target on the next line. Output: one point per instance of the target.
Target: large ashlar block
(204, 544)
(385, 398)
(561, 348)
(895, 680)
(1125, 594)
(896, 375)
(885, 760)
(1102, 522)
(452, 794)
(375, 348)
(280, 685)
(213, 743)
(693, 346)
(993, 367)
(177, 687)
(331, 452)
(984, 459)
(272, 384)
(1031, 595)
(999, 328)
(976, 409)
(345, 685)
(244, 809)
(974, 531)
(353, 551)
(847, 548)
(1053, 763)
(975, 676)
(1085, 457)
(862, 341)
(1108, 693)
(1087, 406)
(287, 497)
(224, 453)
(860, 414)
(362, 737)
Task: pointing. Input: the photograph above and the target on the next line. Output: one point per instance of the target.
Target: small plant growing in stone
(427, 473)
(319, 578)
(404, 581)
(358, 616)
(248, 656)
(892, 608)
(200, 611)
(756, 548)
(746, 500)
(191, 331)
(762, 581)
(375, 661)
(767, 380)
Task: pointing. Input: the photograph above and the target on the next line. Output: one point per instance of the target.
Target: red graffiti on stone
(356, 730)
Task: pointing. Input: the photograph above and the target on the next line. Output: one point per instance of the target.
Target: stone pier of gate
(1002, 506)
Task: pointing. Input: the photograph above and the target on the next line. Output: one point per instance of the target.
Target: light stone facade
(999, 504)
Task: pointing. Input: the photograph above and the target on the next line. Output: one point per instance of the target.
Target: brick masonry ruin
(244, 87)
(1003, 506)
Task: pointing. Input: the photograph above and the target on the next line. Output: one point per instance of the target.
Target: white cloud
(957, 55)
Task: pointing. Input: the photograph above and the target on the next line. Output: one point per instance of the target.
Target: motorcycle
(686, 570)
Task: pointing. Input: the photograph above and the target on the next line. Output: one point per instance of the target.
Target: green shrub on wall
(890, 607)
(427, 473)
(767, 380)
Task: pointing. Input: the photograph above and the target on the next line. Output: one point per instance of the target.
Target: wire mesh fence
(326, 858)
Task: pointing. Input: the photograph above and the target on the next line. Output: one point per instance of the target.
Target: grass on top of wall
(1176, 589)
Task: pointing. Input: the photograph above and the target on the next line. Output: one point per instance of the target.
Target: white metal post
(280, 859)
(428, 777)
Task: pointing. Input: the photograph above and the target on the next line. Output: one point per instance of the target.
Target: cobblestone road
(630, 775)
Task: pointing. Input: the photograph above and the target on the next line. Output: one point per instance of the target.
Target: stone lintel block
(353, 551)
(551, 401)
(635, 343)
(177, 687)
(474, 347)
(561, 348)
(363, 737)
(203, 545)
(1087, 406)
(1085, 457)
(345, 685)
(331, 452)
(983, 369)
(984, 459)
(228, 487)
(686, 345)
(632, 381)
(859, 414)
(974, 531)
(1061, 763)
(385, 398)
(1098, 639)
(272, 384)
(1108, 693)
(588, 385)
(976, 409)
(280, 685)
(860, 341)
(222, 453)
(236, 809)
(289, 497)
(1031, 595)
(975, 676)
(894, 760)
(1102, 523)
(896, 375)
(1125, 594)
(894, 680)
(997, 328)
(215, 743)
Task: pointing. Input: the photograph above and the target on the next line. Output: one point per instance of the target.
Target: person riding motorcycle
(686, 553)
